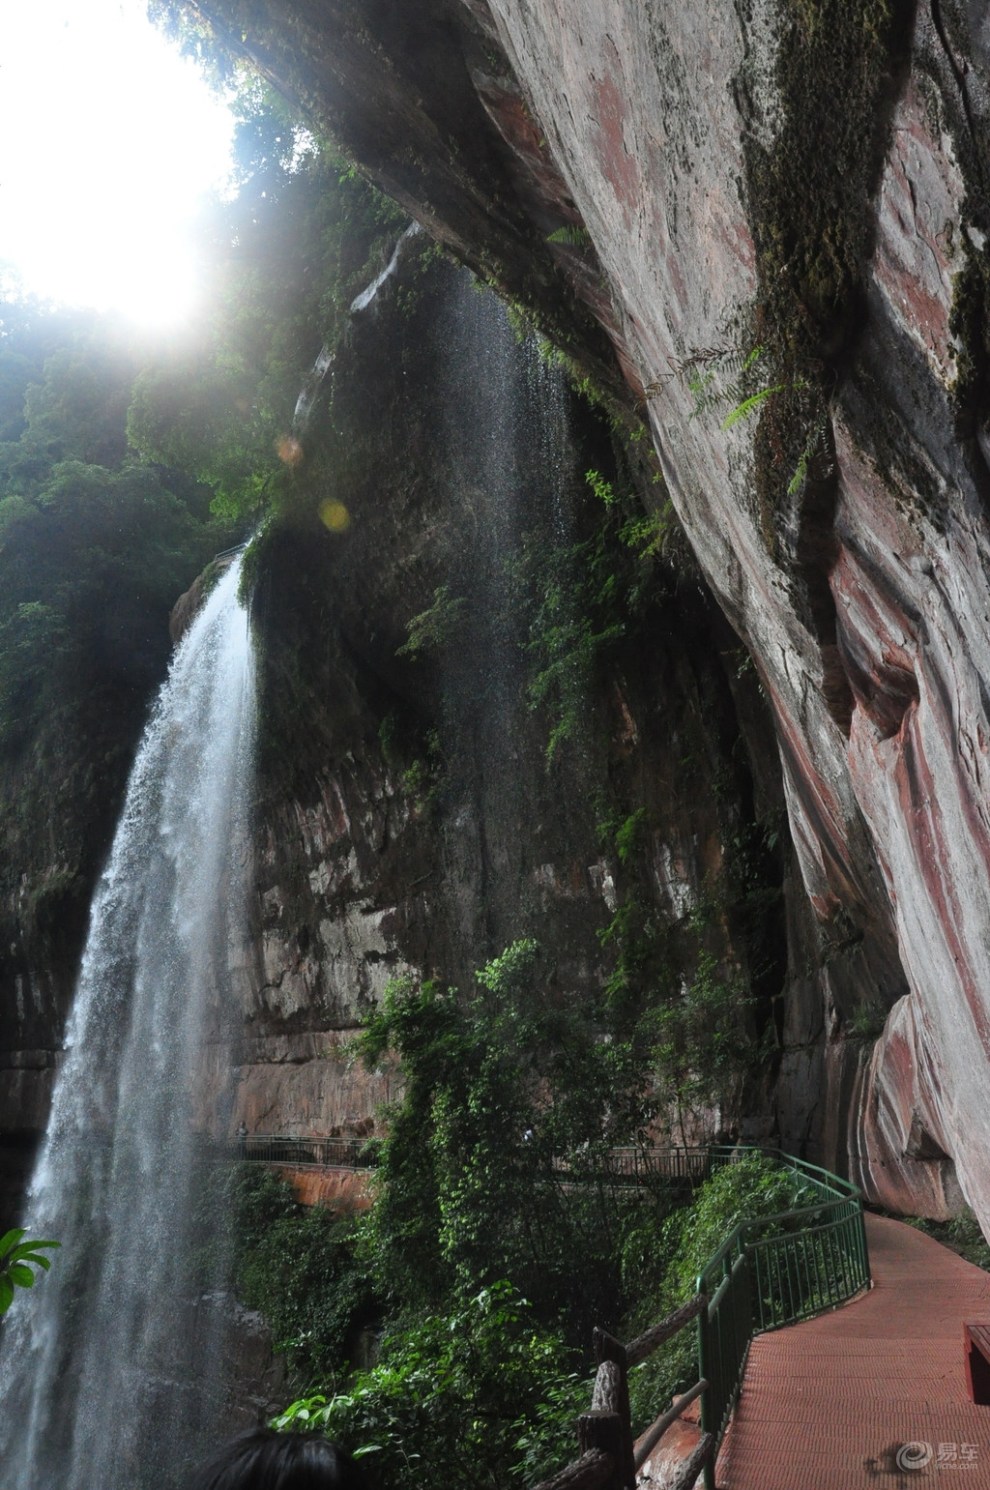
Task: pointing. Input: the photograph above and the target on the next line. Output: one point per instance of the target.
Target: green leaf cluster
(18, 1258)
(289, 251)
(434, 628)
(499, 1085)
(480, 1395)
(572, 598)
(703, 1048)
(95, 547)
(662, 1270)
(303, 1267)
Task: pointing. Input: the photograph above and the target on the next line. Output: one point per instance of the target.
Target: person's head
(265, 1460)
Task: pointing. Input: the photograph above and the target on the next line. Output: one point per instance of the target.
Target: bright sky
(108, 140)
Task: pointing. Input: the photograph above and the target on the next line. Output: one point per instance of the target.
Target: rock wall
(668, 190)
(410, 821)
(811, 178)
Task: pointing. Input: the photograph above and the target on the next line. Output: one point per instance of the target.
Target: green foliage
(628, 834)
(750, 405)
(436, 627)
(480, 1395)
(568, 644)
(572, 597)
(581, 600)
(729, 376)
(752, 1187)
(651, 536)
(303, 1268)
(571, 235)
(744, 383)
(703, 1048)
(94, 549)
(811, 219)
(603, 490)
(301, 237)
(717, 377)
(508, 976)
(496, 1086)
(86, 554)
(17, 1259)
(961, 1233)
(815, 444)
(867, 1021)
(648, 534)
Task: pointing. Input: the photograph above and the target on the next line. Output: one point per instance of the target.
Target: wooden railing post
(608, 1349)
(602, 1431)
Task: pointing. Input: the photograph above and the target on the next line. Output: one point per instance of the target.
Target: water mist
(103, 1363)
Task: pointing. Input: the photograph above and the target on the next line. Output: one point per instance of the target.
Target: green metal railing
(770, 1271)
(773, 1271)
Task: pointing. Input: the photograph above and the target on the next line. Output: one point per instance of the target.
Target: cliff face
(764, 228)
(491, 708)
(410, 819)
(810, 181)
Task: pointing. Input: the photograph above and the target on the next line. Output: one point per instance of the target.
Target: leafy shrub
(17, 1259)
(754, 1186)
(481, 1395)
(304, 1269)
(962, 1233)
(498, 1086)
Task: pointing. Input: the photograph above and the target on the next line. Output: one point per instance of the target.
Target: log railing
(768, 1272)
(610, 1459)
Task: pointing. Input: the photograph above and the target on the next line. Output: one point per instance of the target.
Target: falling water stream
(506, 454)
(101, 1362)
(113, 1367)
(310, 391)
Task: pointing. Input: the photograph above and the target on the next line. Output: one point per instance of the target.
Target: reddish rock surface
(862, 596)
(341, 1189)
(658, 136)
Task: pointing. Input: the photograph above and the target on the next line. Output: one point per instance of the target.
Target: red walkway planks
(828, 1405)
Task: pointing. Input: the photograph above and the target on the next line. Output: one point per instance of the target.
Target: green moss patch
(809, 200)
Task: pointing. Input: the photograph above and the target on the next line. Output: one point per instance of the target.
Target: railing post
(865, 1274)
(607, 1348)
(709, 1400)
(602, 1427)
(711, 1396)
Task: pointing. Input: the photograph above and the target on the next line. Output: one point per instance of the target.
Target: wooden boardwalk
(832, 1404)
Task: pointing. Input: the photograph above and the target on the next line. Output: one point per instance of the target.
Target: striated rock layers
(410, 820)
(809, 180)
(441, 596)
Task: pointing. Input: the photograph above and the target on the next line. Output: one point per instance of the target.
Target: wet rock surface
(861, 594)
(410, 821)
(847, 548)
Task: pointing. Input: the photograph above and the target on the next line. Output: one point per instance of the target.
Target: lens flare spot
(289, 450)
(335, 515)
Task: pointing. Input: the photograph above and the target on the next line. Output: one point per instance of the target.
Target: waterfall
(323, 365)
(306, 401)
(100, 1377)
(505, 452)
(362, 301)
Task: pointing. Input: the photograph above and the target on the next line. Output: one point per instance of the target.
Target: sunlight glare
(108, 143)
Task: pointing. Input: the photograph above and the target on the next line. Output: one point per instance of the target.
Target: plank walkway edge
(873, 1394)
